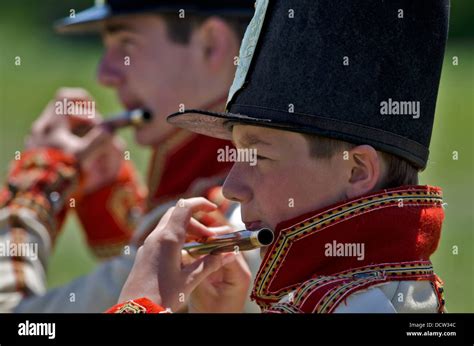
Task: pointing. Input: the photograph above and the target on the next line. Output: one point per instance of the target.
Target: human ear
(215, 40)
(365, 171)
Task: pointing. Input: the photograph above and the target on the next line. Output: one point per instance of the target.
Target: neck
(217, 105)
(183, 158)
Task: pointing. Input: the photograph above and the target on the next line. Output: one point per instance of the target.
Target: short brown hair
(180, 30)
(399, 171)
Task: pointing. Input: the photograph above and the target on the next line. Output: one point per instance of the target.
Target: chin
(154, 133)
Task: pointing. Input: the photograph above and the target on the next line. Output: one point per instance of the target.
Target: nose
(109, 73)
(236, 186)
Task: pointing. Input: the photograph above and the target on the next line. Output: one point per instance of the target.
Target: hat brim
(219, 125)
(215, 124)
(89, 20)
(92, 19)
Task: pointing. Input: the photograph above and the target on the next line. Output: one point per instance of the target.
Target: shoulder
(371, 300)
(338, 296)
(395, 296)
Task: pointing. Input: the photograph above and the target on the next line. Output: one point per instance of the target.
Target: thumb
(204, 266)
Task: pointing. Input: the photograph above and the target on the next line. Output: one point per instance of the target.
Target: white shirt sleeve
(372, 300)
(93, 293)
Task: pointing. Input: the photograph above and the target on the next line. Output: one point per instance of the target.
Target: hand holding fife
(223, 291)
(98, 152)
(159, 272)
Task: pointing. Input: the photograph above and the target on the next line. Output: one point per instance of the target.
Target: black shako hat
(90, 19)
(366, 72)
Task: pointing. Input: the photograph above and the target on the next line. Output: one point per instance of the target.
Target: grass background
(49, 61)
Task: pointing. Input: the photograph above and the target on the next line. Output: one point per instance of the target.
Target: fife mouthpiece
(238, 241)
(135, 117)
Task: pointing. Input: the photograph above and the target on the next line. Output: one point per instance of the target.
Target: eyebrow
(249, 140)
(115, 28)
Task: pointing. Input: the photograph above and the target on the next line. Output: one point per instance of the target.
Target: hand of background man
(98, 152)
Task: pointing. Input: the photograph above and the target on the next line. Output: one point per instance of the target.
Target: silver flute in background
(238, 241)
(135, 117)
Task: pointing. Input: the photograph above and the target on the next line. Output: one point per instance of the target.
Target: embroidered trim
(137, 306)
(286, 308)
(439, 289)
(41, 181)
(412, 271)
(123, 205)
(323, 294)
(131, 307)
(420, 196)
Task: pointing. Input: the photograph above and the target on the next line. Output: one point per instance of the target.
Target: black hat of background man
(326, 67)
(89, 19)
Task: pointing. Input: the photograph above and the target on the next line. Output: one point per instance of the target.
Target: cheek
(170, 79)
(151, 64)
(275, 197)
(317, 185)
(293, 191)
(142, 74)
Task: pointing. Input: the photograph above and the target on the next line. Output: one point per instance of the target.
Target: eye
(261, 158)
(127, 43)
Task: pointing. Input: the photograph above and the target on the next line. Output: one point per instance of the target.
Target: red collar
(396, 225)
(181, 161)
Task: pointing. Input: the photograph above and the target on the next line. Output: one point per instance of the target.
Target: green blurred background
(49, 61)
